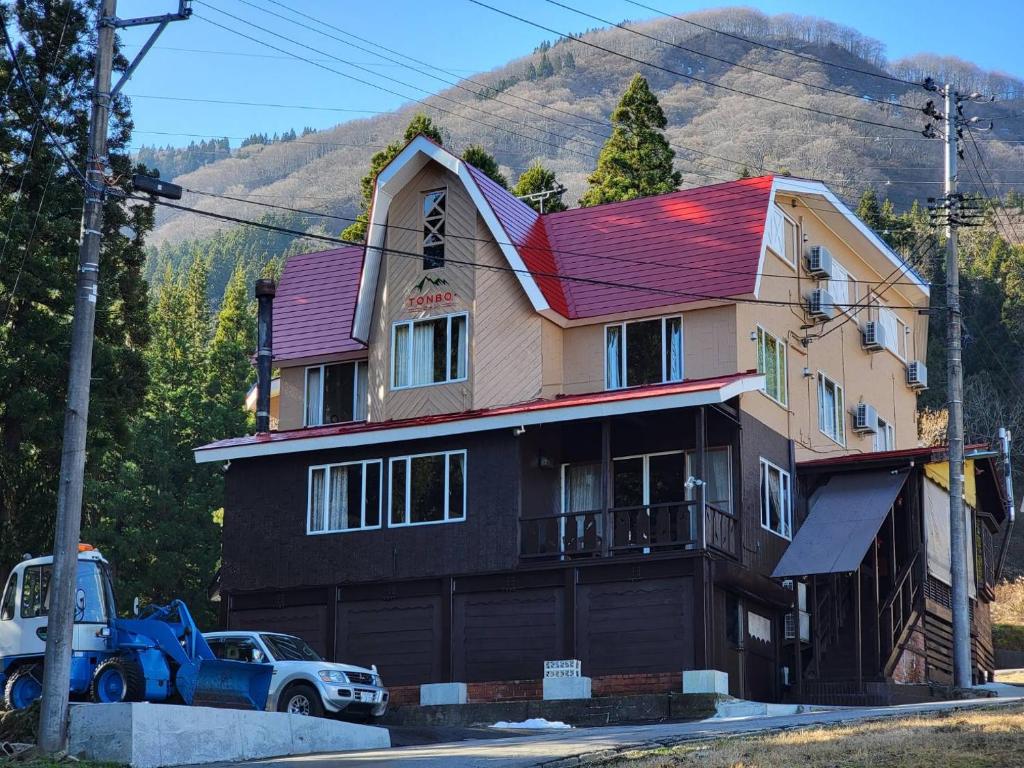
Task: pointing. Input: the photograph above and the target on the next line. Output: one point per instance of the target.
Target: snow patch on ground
(533, 724)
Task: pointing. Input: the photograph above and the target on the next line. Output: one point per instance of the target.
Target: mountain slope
(560, 117)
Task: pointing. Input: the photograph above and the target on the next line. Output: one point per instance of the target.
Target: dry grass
(1012, 676)
(1008, 615)
(978, 738)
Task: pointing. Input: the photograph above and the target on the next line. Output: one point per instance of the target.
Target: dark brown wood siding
(761, 548)
(266, 545)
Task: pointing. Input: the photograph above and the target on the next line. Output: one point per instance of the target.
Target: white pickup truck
(303, 683)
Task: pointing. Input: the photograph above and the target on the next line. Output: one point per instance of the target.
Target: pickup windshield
(289, 648)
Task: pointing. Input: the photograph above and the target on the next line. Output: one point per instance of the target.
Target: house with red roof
(504, 437)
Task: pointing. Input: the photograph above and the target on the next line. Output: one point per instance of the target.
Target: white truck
(302, 682)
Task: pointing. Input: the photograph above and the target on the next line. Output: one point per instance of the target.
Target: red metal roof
(533, 406)
(315, 303)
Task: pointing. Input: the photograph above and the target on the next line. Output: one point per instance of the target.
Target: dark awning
(845, 516)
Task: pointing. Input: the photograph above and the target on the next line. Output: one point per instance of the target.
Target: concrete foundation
(433, 694)
(557, 688)
(157, 735)
(705, 681)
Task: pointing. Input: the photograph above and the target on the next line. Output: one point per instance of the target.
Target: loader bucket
(226, 684)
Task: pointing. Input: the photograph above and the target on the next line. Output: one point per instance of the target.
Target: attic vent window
(434, 214)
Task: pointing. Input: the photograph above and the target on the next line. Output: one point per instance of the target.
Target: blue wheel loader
(158, 656)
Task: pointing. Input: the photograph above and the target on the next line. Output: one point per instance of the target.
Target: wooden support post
(608, 487)
(333, 595)
(700, 459)
(859, 633)
(448, 629)
(815, 626)
(877, 605)
(700, 635)
(570, 613)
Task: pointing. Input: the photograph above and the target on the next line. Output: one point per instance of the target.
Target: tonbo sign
(421, 298)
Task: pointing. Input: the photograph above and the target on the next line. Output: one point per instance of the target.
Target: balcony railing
(645, 529)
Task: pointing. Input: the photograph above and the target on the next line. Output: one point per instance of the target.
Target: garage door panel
(308, 622)
(402, 637)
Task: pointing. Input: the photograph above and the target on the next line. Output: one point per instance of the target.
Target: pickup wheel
(301, 699)
(118, 679)
(24, 686)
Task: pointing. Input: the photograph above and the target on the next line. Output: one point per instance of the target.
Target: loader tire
(24, 686)
(118, 679)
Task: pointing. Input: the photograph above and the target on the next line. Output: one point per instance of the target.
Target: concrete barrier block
(433, 694)
(705, 681)
(158, 735)
(556, 688)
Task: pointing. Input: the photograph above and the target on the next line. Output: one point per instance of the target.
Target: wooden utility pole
(60, 626)
(53, 714)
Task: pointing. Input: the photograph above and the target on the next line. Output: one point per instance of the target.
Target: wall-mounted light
(519, 431)
(753, 335)
(807, 373)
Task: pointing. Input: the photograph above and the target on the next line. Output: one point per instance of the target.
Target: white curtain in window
(674, 339)
(582, 487)
(775, 508)
(316, 500)
(613, 357)
(827, 407)
(422, 354)
(839, 285)
(888, 320)
(337, 505)
(400, 376)
(314, 407)
(360, 394)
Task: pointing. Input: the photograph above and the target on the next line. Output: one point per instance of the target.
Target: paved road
(536, 750)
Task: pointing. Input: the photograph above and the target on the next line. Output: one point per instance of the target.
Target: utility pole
(962, 676)
(60, 625)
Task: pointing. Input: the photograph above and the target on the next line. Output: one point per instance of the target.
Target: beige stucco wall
(877, 378)
(292, 397)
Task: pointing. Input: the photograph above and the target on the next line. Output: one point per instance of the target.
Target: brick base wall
(533, 690)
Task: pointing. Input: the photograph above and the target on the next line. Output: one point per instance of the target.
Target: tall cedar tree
(480, 158)
(40, 206)
(636, 160)
(535, 179)
(420, 124)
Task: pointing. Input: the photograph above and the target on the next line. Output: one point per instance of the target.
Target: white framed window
(831, 410)
(435, 215)
(717, 477)
(643, 352)
(335, 393)
(429, 351)
(344, 497)
(428, 488)
(885, 437)
(895, 332)
(841, 287)
(771, 361)
(791, 241)
(776, 500)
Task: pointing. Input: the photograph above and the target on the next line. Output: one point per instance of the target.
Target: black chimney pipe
(265, 291)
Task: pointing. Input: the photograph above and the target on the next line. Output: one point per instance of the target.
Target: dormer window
(335, 393)
(434, 216)
(643, 352)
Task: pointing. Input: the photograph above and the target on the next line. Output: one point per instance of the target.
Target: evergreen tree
(40, 205)
(535, 179)
(636, 160)
(869, 210)
(420, 124)
(546, 68)
(745, 173)
(480, 158)
(230, 371)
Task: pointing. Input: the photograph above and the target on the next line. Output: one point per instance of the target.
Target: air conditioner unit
(819, 262)
(917, 375)
(874, 336)
(819, 304)
(865, 418)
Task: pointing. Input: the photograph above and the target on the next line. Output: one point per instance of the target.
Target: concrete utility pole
(60, 625)
(962, 676)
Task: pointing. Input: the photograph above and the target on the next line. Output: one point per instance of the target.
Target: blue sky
(198, 60)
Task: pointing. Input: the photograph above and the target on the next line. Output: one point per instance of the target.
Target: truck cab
(24, 609)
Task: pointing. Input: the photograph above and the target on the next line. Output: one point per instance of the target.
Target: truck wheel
(118, 679)
(24, 686)
(301, 699)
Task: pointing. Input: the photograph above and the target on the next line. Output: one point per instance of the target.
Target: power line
(686, 295)
(196, 100)
(805, 56)
(677, 73)
(553, 251)
(386, 77)
(824, 88)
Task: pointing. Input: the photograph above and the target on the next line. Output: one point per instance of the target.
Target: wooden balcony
(643, 530)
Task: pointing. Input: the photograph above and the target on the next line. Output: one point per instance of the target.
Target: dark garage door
(308, 622)
(402, 637)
